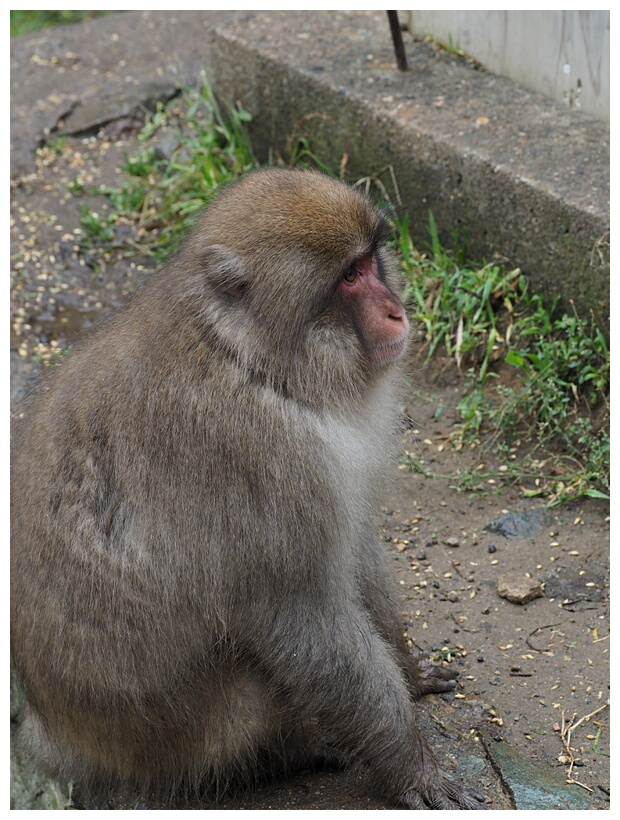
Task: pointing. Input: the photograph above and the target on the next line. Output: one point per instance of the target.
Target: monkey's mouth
(388, 352)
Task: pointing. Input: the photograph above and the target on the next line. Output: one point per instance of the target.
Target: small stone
(453, 596)
(519, 589)
(451, 542)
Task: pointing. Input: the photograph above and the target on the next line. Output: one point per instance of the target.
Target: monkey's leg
(56, 760)
(379, 595)
(333, 667)
(304, 747)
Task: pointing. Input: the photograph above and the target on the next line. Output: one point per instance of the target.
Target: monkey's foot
(445, 793)
(431, 677)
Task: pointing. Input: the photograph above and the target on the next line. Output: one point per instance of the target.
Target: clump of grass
(468, 308)
(24, 21)
(170, 180)
(557, 397)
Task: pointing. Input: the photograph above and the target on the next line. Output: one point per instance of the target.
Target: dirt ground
(524, 668)
(531, 663)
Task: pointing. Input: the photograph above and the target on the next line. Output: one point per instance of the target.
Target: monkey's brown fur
(197, 588)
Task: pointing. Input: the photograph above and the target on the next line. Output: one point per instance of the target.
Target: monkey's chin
(388, 352)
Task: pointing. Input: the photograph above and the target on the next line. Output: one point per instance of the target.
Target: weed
(559, 368)
(24, 21)
(302, 156)
(56, 144)
(96, 226)
(459, 305)
(415, 464)
(76, 187)
(191, 150)
(453, 46)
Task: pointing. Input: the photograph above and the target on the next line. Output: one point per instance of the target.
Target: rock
(515, 525)
(533, 785)
(31, 790)
(91, 112)
(519, 589)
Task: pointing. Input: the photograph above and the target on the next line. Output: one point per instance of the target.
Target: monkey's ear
(225, 271)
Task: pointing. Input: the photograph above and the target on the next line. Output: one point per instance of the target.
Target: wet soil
(524, 668)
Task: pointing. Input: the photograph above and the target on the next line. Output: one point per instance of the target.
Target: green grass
(538, 379)
(164, 191)
(24, 21)
(468, 309)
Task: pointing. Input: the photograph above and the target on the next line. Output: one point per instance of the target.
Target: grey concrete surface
(517, 177)
(564, 54)
(76, 77)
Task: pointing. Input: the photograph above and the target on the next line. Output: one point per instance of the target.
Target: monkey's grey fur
(198, 593)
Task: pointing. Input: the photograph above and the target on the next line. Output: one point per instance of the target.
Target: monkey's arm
(379, 596)
(334, 668)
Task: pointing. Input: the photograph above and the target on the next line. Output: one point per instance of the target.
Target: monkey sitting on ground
(198, 592)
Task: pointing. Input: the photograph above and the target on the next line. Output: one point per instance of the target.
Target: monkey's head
(296, 274)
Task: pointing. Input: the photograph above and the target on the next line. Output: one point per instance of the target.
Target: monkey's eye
(351, 275)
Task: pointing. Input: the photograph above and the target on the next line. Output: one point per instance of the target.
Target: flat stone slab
(531, 785)
(76, 77)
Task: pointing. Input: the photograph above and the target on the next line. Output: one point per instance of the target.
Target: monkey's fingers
(433, 678)
(446, 794)
(452, 794)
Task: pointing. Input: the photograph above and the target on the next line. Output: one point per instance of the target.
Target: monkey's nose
(400, 317)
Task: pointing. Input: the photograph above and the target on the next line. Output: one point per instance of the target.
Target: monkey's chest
(353, 460)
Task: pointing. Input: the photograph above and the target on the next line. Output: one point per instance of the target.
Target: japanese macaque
(199, 595)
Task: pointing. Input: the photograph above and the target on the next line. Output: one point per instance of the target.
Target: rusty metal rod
(397, 39)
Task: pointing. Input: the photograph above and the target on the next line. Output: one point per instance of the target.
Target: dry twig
(566, 732)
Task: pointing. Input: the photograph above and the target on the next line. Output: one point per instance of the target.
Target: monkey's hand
(444, 793)
(426, 677)
(438, 790)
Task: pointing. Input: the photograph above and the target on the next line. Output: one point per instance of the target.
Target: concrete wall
(562, 54)
(515, 175)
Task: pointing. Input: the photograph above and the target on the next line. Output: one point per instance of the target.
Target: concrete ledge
(517, 176)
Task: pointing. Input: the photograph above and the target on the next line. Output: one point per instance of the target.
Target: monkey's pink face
(377, 314)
